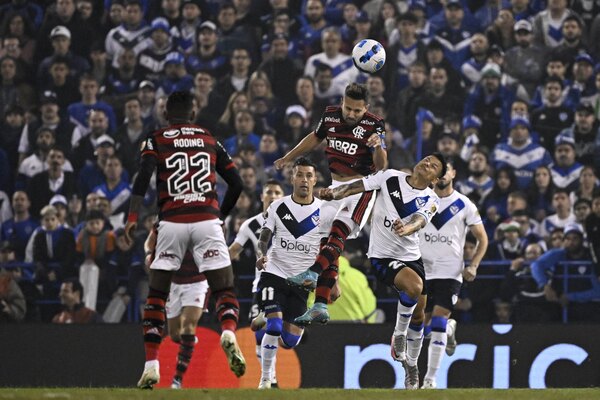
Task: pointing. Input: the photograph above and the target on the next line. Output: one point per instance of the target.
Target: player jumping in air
(293, 224)
(355, 148)
(249, 232)
(187, 158)
(186, 302)
(442, 244)
(404, 206)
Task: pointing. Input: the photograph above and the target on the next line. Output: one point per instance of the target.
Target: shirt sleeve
(473, 217)
(430, 208)
(242, 236)
(374, 181)
(224, 161)
(321, 130)
(270, 219)
(380, 131)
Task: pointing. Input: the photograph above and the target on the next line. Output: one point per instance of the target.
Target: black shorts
(276, 294)
(443, 293)
(386, 269)
(254, 307)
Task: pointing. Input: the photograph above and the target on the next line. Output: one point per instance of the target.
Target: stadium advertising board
(338, 355)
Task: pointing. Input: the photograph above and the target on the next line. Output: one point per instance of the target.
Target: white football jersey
(442, 241)
(250, 231)
(296, 236)
(397, 200)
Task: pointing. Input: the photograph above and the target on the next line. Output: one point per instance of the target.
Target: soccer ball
(368, 56)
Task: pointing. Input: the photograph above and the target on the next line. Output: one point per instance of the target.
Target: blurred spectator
(565, 170)
(185, 33)
(501, 31)
(494, 204)
(98, 132)
(313, 26)
(402, 110)
(60, 203)
(128, 260)
(176, 77)
(95, 245)
(471, 126)
(237, 80)
(562, 204)
(447, 144)
(509, 245)
(12, 126)
(111, 222)
(583, 71)
(115, 189)
(13, 90)
(305, 92)
(408, 50)
(324, 88)
(61, 83)
(281, 68)
(244, 132)
(540, 193)
(479, 183)
(456, 26)
(147, 95)
(32, 13)
(586, 134)
(12, 48)
(208, 57)
(20, 227)
(55, 180)
(592, 228)
(79, 112)
(52, 119)
(12, 301)
(588, 185)
(572, 39)
(15, 25)
(341, 64)
(428, 135)
(233, 35)
(471, 69)
(556, 239)
(525, 62)
(132, 34)
(74, 312)
(556, 67)
(125, 79)
(152, 58)
(582, 209)
(553, 116)
(130, 135)
(38, 161)
(269, 150)
(520, 153)
(5, 210)
(547, 24)
(65, 14)
(250, 181)
(529, 228)
(61, 42)
(294, 125)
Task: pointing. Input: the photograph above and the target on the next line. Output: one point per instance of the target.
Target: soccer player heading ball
(355, 149)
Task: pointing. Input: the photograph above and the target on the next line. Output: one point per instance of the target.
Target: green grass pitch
(303, 394)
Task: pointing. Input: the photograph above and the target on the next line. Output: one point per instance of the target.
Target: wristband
(132, 217)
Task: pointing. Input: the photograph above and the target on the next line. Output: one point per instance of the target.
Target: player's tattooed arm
(342, 191)
(416, 222)
(263, 246)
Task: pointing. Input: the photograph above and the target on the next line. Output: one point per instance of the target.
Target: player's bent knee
(438, 324)
(289, 340)
(274, 326)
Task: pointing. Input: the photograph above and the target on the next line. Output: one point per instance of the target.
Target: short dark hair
(76, 286)
(357, 91)
(322, 67)
(581, 200)
(94, 214)
(572, 18)
(444, 162)
(180, 104)
(561, 190)
(60, 60)
(273, 182)
(554, 79)
(304, 162)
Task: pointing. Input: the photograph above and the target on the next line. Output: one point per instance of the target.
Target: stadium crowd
(509, 89)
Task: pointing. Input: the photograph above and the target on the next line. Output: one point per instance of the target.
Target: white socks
(414, 343)
(269, 347)
(437, 348)
(403, 318)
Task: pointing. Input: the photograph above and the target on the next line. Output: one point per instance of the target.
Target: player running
(293, 223)
(442, 244)
(355, 148)
(249, 232)
(186, 302)
(187, 159)
(404, 206)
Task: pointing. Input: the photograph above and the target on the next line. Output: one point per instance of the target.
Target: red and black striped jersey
(188, 272)
(347, 151)
(188, 161)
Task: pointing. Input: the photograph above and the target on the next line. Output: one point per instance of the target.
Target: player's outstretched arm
(263, 246)
(308, 144)
(342, 191)
(417, 221)
(482, 244)
(234, 189)
(140, 186)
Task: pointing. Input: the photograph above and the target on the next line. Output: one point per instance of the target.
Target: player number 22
(182, 163)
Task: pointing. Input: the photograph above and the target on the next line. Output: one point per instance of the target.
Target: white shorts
(354, 211)
(203, 239)
(186, 295)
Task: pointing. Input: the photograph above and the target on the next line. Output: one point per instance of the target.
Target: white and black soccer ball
(368, 56)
